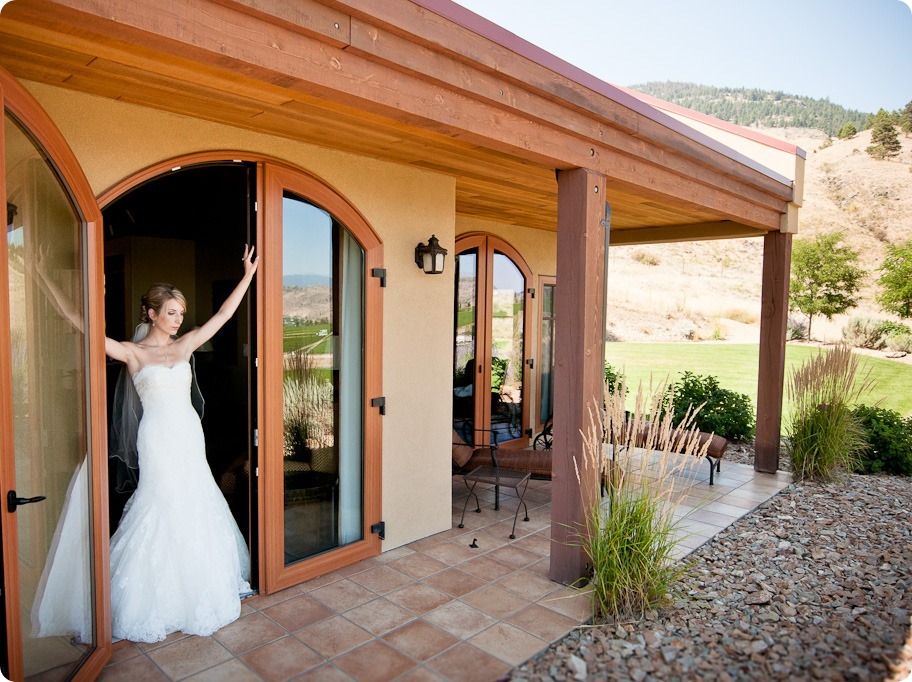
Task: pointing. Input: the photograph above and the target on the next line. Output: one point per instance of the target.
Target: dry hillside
(705, 290)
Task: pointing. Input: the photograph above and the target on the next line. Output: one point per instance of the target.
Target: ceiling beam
(724, 229)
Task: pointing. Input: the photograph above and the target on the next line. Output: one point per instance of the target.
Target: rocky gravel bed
(814, 584)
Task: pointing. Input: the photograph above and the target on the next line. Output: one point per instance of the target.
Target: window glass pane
(322, 295)
(46, 304)
(507, 315)
(465, 316)
(546, 361)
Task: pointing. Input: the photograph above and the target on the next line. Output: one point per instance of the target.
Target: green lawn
(735, 365)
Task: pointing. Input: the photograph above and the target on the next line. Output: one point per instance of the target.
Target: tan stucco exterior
(114, 140)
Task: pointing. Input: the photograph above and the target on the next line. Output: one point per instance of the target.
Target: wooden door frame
(487, 244)
(26, 109)
(273, 174)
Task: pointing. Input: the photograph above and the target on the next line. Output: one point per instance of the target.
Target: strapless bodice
(162, 384)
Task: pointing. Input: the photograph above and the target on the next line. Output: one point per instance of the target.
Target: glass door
(54, 554)
(489, 357)
(322, 473)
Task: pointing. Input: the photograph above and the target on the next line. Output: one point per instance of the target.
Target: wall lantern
(429, 257)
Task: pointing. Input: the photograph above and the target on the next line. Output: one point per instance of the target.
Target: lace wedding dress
(178, 559)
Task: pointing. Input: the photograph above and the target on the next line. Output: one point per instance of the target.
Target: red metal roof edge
(496, 33)
(740, 131)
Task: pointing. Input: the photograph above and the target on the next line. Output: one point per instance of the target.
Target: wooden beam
(777, 256)
(722, 229)
(578, 357)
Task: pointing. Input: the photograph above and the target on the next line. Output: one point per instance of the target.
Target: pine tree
(847, 132)
(884, 140)
(905, 119)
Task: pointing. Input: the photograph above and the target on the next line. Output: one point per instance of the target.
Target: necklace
(165, 354)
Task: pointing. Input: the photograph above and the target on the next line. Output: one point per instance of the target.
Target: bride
(178, 559)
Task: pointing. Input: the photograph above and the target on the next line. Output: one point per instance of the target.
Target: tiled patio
(436, 609)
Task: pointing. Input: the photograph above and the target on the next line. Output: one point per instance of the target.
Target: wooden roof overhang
(423, 83)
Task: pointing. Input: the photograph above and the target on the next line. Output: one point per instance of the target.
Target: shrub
(863, 333)
(847, 131)
(888, 441)
(891, 328)
(740, 315)
(719, 410)
(645, 258)
(614, 379)
(901, 342)
(824, 438)
(797, 329)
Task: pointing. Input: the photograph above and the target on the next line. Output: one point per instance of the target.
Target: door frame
(26, 109)
(274, 176)
(487, 244)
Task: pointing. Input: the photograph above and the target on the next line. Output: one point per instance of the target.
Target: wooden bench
(715, 446)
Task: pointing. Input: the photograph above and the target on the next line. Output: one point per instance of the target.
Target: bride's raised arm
(197, 337)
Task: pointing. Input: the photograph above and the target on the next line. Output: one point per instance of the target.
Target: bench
(715, 446)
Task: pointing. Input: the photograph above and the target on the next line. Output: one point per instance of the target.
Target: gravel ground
(814, 584)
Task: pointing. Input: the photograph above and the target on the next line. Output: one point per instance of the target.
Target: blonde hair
(157, 296)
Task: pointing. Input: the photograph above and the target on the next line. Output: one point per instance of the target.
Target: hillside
(711, 290)
(753, 107)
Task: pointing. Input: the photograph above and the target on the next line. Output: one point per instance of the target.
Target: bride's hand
(250, 263)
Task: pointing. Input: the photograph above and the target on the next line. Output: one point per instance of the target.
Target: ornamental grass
(641, 458)
(824, 437)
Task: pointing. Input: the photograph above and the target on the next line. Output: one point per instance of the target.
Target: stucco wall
(113, 140)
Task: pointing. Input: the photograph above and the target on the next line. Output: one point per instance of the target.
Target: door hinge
(531, 363)
(256, 206)
(379, 529)
(256, 472)
(379, 402)
(531, 291)
(256, 438)
(529, 432)
(381, 273)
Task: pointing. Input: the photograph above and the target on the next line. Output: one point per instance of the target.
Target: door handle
(12, 501)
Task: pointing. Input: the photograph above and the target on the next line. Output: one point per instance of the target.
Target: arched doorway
(491, 360)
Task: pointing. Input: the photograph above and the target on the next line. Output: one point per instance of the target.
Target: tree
(825, 277)
(896, 280)
(847, 132)
(905, 119)
(884, 140)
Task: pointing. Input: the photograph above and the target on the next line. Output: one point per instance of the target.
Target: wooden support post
(579, 349)
(777, 258)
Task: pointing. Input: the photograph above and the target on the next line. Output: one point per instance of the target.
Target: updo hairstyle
(156, 297)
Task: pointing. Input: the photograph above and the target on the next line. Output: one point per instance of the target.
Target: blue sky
(856, 52)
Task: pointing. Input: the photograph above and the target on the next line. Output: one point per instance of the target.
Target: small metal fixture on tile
(429, 257)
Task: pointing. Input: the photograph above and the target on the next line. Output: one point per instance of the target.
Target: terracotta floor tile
(450, 553)
(466, 663)
(282, 659)
(460, 619)
(417, 565)
(528, 585)
(454, 582)
(537, 543)
(514, 556)
(233, 670)
(124, 650)
(136, 669)
(570, 602)
(248, 633)
(379, 616)
(325, 673)
(393, 554)
(246, 609)
(319, 582)
(543, 623)
(263, 602)
(382, 579)
(356, 568)
(170, 639)
(342, 595)
(486, 568)
(333, 636)
(421, 674)
(189, 656)
(508, 643)
(419, 598)
(541, 568)
(376, 661)
(297, 613)
(420, 640)
(496, 601)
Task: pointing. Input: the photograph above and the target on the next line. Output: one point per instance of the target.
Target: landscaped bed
(814, 584)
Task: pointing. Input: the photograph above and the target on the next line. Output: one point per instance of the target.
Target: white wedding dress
(178, 559)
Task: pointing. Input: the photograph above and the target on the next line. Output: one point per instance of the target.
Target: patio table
(497, 477)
